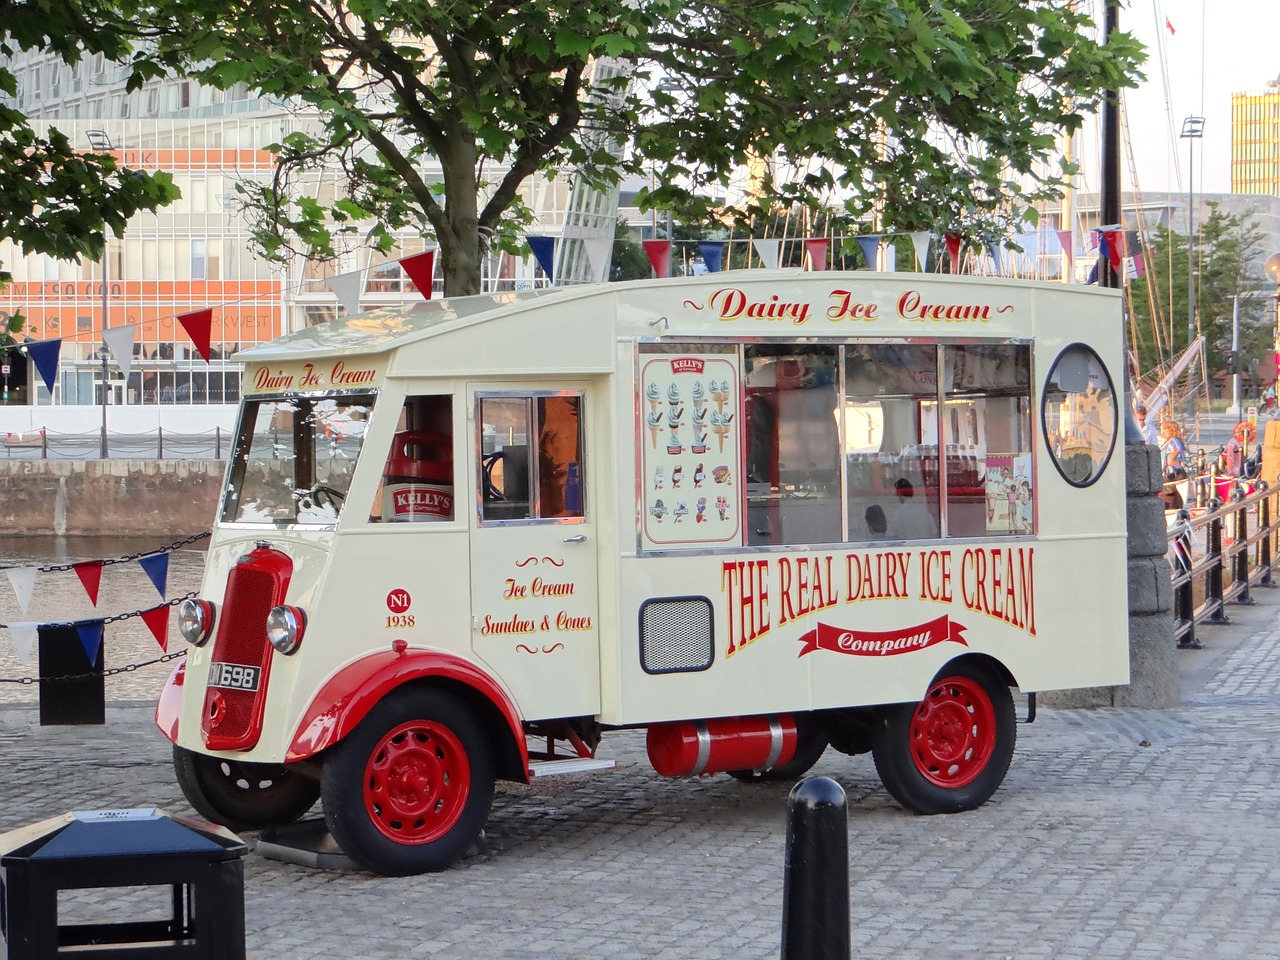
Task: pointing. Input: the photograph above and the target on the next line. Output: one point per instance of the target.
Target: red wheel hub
(953, 732)
(416, 782)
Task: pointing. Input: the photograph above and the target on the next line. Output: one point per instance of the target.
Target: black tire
(409, 790)
(240, 795)
(811, 744)
(950, 751)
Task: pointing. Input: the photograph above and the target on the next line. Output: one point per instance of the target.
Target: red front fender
(169, 706)
(350, 694)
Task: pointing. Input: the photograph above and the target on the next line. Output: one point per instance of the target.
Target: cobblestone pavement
(1117, 834)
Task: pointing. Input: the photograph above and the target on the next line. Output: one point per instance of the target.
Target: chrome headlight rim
(286, 625)
(195, 620)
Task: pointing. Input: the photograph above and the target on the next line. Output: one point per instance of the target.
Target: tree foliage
(57, 199)
(935, 113)
(1226, 250)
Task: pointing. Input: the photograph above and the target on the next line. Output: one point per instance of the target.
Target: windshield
(294, 458)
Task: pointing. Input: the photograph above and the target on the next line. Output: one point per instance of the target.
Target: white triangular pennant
(767, 250)
(920, 240)
(347, 288)
(23, 581)
(119, 341)
(24, 635)
(598, 250)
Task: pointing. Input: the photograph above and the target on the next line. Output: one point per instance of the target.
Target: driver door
(533, 560)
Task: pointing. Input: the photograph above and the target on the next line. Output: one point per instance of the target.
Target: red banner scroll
(881, 643)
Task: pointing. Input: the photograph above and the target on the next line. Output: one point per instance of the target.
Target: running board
(555, 768)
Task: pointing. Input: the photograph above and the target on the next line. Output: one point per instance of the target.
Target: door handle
(579, 538)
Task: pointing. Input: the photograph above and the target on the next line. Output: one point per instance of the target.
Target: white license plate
(234, 676)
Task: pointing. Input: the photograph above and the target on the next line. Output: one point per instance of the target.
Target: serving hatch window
(293, 459)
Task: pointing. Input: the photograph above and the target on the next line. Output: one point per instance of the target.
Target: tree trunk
(461, 249)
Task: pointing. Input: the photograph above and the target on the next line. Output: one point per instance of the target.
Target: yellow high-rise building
(1255, 140)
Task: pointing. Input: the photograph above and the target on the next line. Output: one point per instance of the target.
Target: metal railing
(158, 444)
(1239, 550)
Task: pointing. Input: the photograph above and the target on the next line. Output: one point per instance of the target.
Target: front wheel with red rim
(950, 751)
(410, 789)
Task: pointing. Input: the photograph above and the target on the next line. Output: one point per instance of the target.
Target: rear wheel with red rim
(410, 789)
(950, 751)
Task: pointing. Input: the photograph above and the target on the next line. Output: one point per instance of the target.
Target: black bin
(201, 864)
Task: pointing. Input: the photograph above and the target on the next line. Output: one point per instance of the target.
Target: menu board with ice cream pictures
(689, 448)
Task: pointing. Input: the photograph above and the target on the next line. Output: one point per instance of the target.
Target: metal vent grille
(676, 635)
(242, 639)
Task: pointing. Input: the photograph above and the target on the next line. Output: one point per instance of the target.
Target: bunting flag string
(997, 262)
(421, 270)
(659, 254)
(599, 252)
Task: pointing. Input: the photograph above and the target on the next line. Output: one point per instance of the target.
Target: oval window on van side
(1080, 415)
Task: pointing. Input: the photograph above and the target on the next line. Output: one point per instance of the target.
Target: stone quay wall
(108, 497)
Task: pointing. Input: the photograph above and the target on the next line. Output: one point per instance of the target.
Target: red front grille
(232, 718)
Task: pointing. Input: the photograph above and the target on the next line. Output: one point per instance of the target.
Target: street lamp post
(1192, 130)
(100, 141)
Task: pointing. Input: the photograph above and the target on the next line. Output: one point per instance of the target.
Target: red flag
(953, 250)
(1113, 239)
(817, 250)
(157, 621)
(420, 268)
(659, 254)
(198, 325)
(1169, 26)
(90, 574)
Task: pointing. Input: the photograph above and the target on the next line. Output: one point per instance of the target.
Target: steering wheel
(491, 492)
(320, 493)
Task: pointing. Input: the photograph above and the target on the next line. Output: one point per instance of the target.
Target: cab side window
(417, 480)
(530, 457)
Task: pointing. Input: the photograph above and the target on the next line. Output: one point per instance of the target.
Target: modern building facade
(195, 254)
(1255, 140)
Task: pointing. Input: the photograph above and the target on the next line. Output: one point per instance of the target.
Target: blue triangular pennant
(157, 568)
(90, 633)
(544, 251)
(870, 244)
(44, 354)
(712, 255)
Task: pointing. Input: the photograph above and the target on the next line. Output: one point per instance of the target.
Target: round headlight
(285, 626)
(195, 620)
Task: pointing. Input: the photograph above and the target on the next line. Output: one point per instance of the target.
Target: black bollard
(815, 887)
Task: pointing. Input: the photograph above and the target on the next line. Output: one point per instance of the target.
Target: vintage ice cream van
(758, 515)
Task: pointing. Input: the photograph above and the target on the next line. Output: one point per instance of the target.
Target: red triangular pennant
(420, 268)
(90, 574)
(817, 250)
(659, 253)
(198, 325)
(953, 250)
(157, 621)
(1114, 254)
